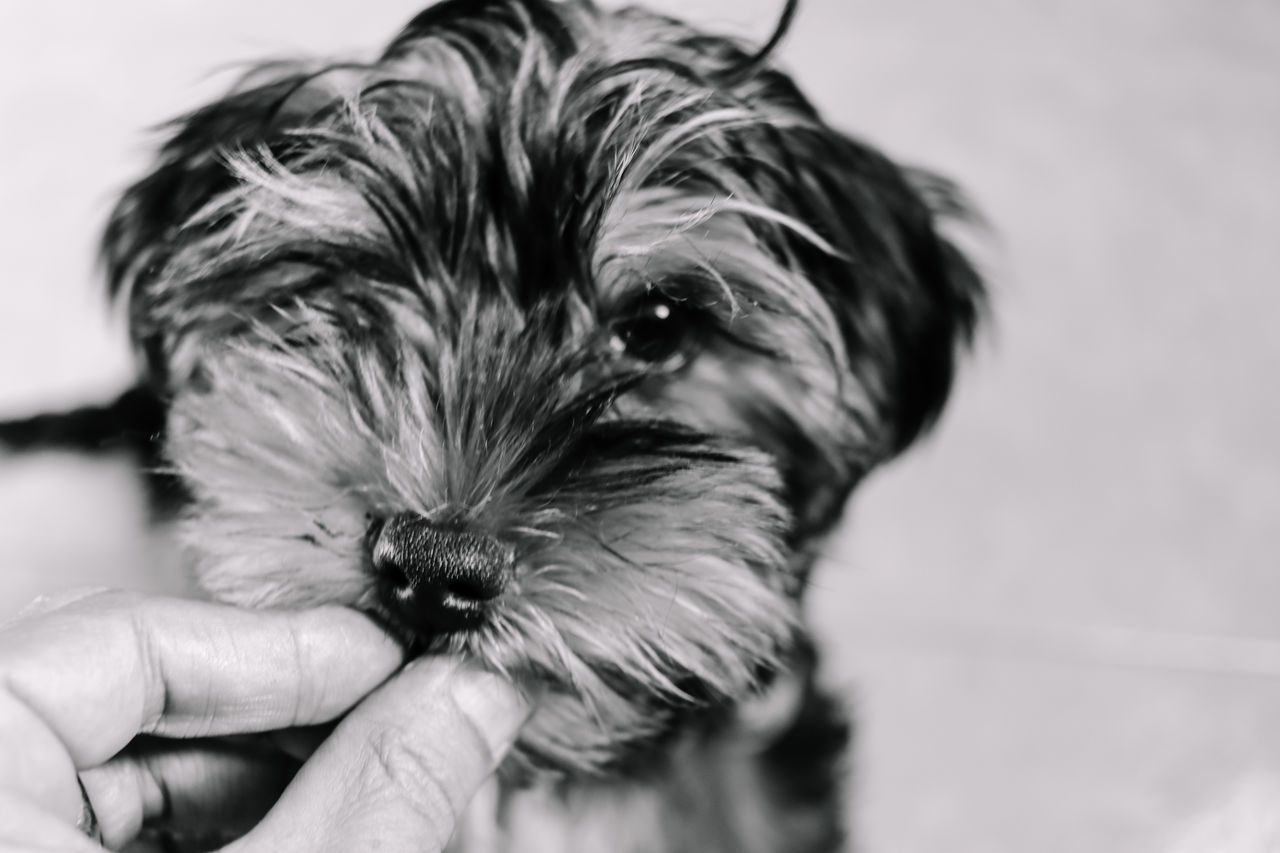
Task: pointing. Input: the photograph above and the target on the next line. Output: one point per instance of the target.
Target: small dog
(556, 338)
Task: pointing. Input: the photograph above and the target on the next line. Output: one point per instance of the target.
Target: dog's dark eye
(657, 330)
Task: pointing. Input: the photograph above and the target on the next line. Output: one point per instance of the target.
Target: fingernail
(43, 604)
(494, 706)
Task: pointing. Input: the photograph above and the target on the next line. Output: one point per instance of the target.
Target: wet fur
(373, 288)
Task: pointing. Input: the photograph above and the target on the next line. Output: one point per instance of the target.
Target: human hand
(79, 682)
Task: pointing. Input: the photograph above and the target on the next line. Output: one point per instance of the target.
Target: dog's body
(556, 338)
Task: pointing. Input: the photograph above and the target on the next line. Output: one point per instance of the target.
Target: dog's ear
(191, 169)
(906, 299)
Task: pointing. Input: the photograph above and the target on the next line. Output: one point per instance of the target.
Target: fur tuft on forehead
(492, 149)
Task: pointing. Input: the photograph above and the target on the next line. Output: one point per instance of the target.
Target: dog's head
(553, 336)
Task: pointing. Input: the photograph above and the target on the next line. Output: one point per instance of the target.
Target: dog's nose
(438, 578)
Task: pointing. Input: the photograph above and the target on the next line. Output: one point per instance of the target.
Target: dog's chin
(571, 738)
(601, 720)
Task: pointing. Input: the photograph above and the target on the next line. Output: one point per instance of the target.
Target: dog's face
(554, 337)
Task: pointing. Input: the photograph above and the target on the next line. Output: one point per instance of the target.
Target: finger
(26, 827)
(197, 786)
(78, 683)
(398, 771)
(126, 664)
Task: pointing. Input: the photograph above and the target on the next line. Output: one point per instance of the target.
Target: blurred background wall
(1058, 618)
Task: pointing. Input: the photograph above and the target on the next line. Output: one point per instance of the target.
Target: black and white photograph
(585, 426)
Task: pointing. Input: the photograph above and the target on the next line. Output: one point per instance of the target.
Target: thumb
(398, 771)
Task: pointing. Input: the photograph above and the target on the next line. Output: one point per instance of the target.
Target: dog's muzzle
(437, 578)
